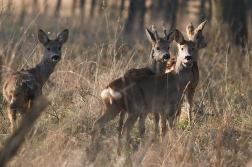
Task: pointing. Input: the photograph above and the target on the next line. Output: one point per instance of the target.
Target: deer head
(186, 49)
(160, 46)
(52, 48)
(195, 35)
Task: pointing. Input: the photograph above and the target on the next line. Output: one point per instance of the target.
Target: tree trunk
(170, 13)
(82, 3)
(73, 7)
(92, 8)
(135, 8)
(229, 16)
(22, 13)
(57, 9)
(122, 7)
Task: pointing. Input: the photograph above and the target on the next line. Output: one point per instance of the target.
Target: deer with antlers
(144, 94)
(21, 88)
(197, 37)
(157, 61)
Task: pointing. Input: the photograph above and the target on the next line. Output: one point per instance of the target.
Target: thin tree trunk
(122, 7)
(46, 7)
(230, 17)
(82, 3)
(73, 7)
(22, 13)
(57, 9)
(135, 8)
(92, 8)
(170, 13)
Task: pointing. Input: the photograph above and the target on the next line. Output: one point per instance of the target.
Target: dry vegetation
(97, 53)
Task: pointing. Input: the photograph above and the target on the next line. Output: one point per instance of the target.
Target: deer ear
(62, 38)
(170, 36)
(197, 36)
(201, 26)
(190, 30)
(43, 37)
(179, 38)
(150, 36)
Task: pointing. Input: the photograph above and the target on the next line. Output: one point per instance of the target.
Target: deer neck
(43, 71)
(195, 56)
(156, 67)
(181, 67)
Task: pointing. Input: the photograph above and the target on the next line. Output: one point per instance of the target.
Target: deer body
(21, 88)
(197, 37)
(141, 95)
(156, 64)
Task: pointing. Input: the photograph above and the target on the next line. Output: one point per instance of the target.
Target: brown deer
(141, 95)
(157, 61)
(23, 87)
(197, 37)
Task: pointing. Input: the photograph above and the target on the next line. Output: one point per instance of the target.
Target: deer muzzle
(166, 57)
(55, 57)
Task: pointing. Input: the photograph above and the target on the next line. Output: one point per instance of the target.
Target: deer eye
(158, 48)
(48, 49)
(182, 48)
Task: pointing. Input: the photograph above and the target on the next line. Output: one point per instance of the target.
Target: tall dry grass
(95, 54)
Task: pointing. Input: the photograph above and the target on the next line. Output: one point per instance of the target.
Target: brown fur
(141, 95)
(21, 88)
(156, 64)
(197, 37)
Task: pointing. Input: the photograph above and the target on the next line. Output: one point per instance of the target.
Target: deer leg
(141, 124)
(120, 126)
(190, 102)
(12, 118)
(127, 128)
(163, 124)
(108, 114)
(156, 116)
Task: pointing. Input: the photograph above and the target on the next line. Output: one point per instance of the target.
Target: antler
(165, 32)
(156, 33)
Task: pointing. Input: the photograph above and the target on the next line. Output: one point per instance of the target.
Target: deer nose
(166, 57)
(55, 57)
(188, 57)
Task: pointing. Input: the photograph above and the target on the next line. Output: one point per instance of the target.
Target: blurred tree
(35, 7)
(82, 3)
(229, 17)
(57, 9)
(136, 8)
(73, 7)
(122, 6)
(92, 8)
(170, 12)
(22, 12)
(46, 7)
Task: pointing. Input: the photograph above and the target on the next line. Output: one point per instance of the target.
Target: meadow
(96, 53)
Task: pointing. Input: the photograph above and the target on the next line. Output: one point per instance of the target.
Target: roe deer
(157, 61)
(197, 37)
(159, 93)
(23, 87)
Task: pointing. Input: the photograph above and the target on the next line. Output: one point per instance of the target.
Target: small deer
(157, 61)
(141, 95)
(21, 88)
(197, 37)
